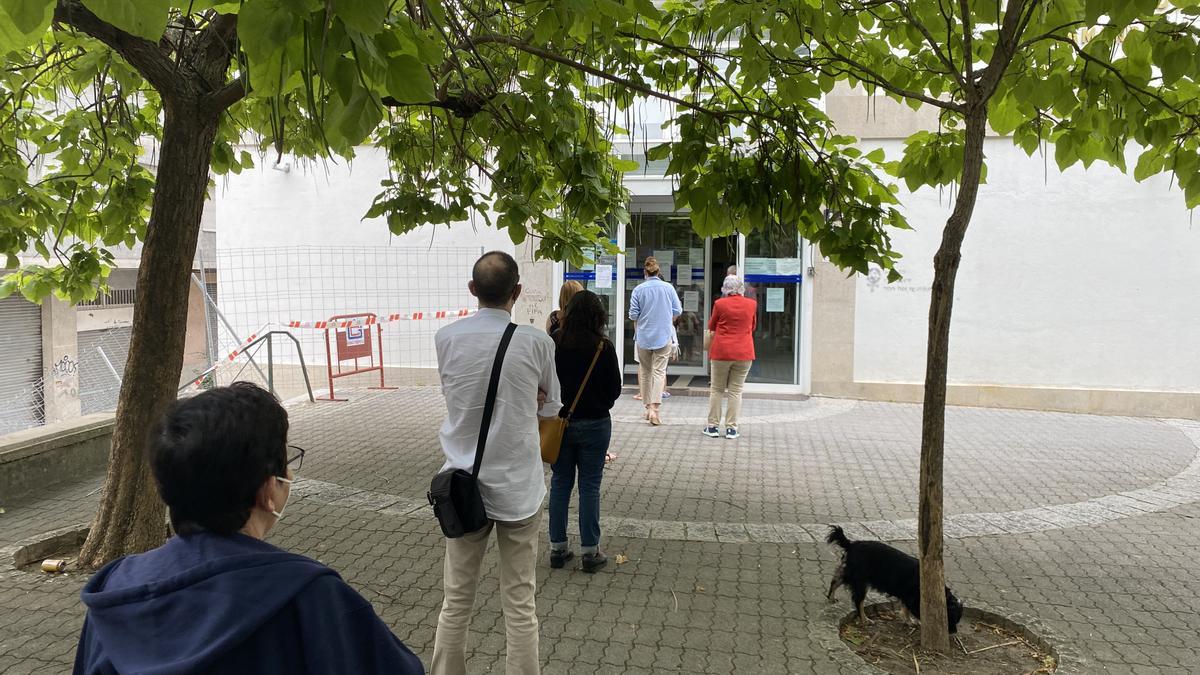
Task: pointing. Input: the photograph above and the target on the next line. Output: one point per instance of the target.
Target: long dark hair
(584, 322)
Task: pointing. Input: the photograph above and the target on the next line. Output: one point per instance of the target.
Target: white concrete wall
(1079, 279)
(294, 246)
(322, 204)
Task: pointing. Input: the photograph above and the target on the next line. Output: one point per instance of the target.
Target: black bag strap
(490, 402)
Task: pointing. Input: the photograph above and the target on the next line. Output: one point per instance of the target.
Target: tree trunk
(934, 631)
(131, 514)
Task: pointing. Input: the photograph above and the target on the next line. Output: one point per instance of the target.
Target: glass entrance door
(773, 274)
(600, 276)
(683, 258)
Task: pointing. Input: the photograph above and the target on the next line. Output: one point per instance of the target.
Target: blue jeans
(583, 448)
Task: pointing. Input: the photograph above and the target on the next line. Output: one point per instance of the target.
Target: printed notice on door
(774, 299)
(685, 275)
(691, 301)
(604, 276)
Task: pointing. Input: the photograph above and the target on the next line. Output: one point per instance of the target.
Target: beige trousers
(518, 584)
(728, 378)
(652, 373)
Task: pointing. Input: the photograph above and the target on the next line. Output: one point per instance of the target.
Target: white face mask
(279, 514)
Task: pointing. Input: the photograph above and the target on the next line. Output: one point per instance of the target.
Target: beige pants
(728, 377)
(518, 584)
(652, 373)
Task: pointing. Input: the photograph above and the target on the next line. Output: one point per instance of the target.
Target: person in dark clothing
(585, 442)
(216, 598)
(554, 322)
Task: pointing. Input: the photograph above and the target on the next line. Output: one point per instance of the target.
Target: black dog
(873, 564)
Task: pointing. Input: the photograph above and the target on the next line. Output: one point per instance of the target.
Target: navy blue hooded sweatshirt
(206, 603)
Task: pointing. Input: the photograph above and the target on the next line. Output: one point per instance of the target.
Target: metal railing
(249, 349)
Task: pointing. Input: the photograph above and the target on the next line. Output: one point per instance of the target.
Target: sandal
(654, 419)
(609, 457)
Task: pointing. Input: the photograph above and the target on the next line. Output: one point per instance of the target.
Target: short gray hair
(733, 286)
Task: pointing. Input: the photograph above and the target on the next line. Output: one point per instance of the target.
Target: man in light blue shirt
(653, 306)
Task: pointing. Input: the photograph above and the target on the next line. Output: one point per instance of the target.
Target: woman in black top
(586, 440)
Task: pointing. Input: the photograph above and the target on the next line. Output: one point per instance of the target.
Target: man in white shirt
(511, 478)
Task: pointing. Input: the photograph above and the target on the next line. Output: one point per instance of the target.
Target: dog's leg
(908, 617)
(863, 620)
(834, 585)
(859, 595)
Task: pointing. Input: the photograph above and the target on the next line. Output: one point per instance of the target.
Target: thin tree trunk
(131, 514)
(934, 631)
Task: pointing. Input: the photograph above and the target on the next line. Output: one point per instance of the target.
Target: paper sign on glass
(691, 301)
(665, 259)
(604, 276)
(631, 258)
(685, 275)
(774, 299)
(760, 266)
(696, 257)
(788, 266)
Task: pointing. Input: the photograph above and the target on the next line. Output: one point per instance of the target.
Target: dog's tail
(837, 536)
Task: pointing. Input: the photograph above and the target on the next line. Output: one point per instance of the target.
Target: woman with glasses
(216, 598)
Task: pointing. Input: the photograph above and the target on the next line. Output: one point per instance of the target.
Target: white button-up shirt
(511, 478)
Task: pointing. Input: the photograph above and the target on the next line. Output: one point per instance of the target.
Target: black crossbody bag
(454, 493)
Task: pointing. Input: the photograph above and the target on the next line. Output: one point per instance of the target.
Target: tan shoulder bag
(552, 429)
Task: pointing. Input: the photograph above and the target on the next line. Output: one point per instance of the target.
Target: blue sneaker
(666, 395)
(730, 433)
(712, 432)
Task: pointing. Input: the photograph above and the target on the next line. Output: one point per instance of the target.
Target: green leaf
(264, 27)
(355, 121)
(144, 18)
(658, 152)
(24, 22)
(365, 16)
(1148, 164)
(408, 81)
(28, 15)
(1004, 116)
(625, 165)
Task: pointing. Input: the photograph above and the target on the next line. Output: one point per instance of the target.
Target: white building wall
(293, 245)
(322, 203)
(1082, 279)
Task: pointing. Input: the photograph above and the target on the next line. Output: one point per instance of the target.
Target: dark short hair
(496, 276)
(212, 452)
(584, 322)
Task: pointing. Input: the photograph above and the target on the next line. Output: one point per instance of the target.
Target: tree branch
(952, 69)
(968, 37)
(227, 96)
(1120, 76)
(868, 75)
(609, 77)
(147, 57)
(1014, 23)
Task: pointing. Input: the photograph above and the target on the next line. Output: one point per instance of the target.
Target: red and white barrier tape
(351, 323)
(389, 318)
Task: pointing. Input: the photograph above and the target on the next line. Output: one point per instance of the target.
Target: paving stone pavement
(724, 574)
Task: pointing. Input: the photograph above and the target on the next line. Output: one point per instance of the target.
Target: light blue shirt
(653, 305)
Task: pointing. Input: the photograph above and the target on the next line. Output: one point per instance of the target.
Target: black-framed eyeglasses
(295, 458)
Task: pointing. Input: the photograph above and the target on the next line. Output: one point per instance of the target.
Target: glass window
(773, 274)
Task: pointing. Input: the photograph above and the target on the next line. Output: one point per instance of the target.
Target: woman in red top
(731, 353)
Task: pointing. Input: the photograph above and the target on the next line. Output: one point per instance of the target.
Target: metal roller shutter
(20, 364)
